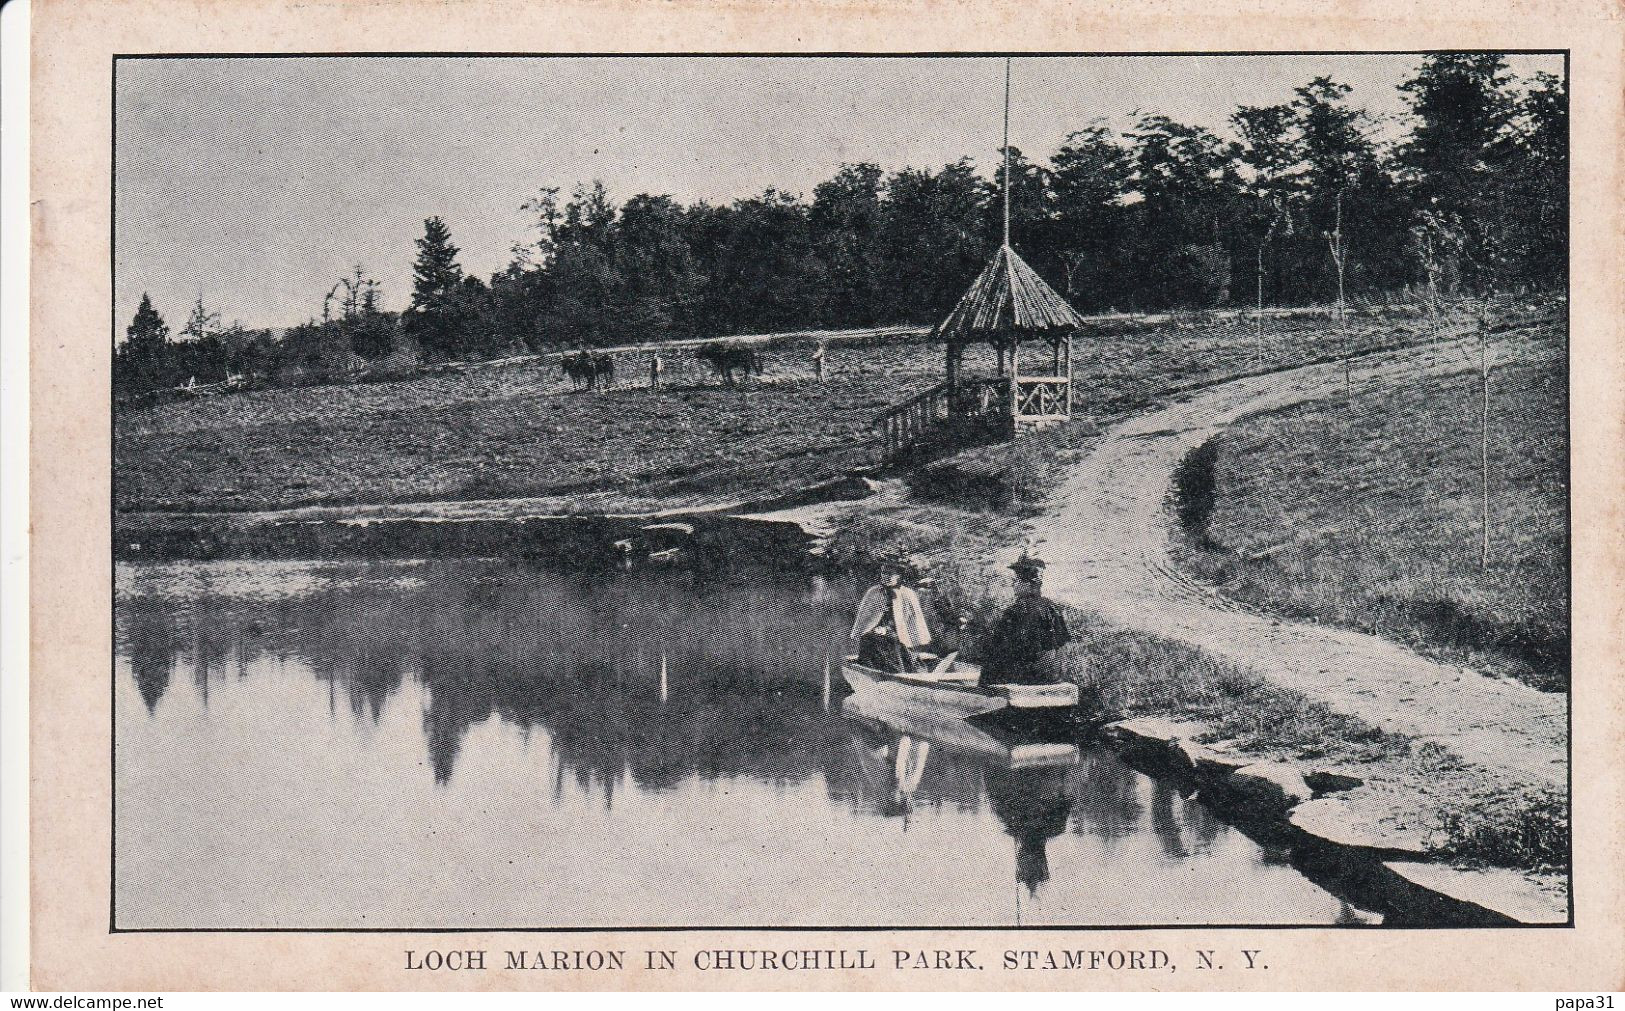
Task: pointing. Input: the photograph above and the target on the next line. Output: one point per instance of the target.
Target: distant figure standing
(656, 366)
(1019, 647)
(818, 362)
(890, 624)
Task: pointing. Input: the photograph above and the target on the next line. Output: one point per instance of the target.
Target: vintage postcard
(614, 497)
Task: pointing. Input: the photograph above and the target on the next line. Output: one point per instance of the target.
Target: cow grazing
(579, 368)
(726, 361)
(588, 371)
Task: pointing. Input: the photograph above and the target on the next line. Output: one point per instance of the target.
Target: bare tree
(360, 296)
(1280, 221)
(1437, 241)
(1339, 251)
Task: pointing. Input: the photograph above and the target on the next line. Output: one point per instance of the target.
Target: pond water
(484, 744)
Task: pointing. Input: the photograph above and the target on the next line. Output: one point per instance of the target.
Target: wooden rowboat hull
(959, 698)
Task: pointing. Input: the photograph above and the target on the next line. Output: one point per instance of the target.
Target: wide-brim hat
(902, 561)
(1028, 566)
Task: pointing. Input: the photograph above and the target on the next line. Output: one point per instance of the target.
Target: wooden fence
(931, 413)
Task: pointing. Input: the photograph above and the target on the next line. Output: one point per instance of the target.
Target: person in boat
(1019, 649)
(890, 624)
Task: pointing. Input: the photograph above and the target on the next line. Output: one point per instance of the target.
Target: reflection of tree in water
(1034, 804)
(578, 656)
(369, 678)
(1348, 916)
(152, 664)
(458, 697)
(1112, 808)
(149, 636)
(157, 631)
(1164, 823)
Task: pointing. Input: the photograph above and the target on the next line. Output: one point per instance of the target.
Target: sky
(256, 183)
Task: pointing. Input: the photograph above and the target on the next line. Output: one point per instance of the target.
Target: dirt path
(1105, 537)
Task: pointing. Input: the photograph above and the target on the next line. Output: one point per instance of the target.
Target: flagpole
(1007, 150)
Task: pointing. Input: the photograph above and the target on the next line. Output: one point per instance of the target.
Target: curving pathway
(1105, 536)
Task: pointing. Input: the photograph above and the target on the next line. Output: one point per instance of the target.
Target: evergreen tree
(437, 318)
(142, 363)
(436, 273)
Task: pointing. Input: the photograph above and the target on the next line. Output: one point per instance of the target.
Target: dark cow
(588, 371)
(725, 361)
(579, 368)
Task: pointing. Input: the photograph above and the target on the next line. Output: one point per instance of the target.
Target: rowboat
(954, 689)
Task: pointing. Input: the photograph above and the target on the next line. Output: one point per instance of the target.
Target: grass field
(1366, 514)
(516, 429)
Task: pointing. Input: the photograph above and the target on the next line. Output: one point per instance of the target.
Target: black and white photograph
(660, 492)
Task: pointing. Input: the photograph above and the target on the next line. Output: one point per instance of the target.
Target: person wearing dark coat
(1018, 648)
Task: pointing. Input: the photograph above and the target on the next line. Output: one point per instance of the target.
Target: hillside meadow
(517, 429)
(1366, 513)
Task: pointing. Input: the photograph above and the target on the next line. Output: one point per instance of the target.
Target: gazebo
(1007, 304)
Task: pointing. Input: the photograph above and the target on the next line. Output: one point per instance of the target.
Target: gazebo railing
(1041, 397)
(981, 398)
(911, 422)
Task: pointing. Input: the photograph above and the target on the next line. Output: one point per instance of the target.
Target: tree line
(1308, 203)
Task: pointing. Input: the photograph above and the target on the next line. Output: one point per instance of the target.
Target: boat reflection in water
(498, 745)
(1024, 777)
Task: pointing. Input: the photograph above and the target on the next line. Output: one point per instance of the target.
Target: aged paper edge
(70, 603)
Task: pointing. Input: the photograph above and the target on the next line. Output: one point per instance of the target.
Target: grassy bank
(516, 429)
(1366, 513)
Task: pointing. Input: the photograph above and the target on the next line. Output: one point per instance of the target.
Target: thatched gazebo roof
(1006, 300)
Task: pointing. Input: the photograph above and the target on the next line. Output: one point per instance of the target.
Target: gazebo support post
(1069, 377)
(1015, 381)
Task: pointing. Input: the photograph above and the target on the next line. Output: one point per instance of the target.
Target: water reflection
(1034, 805)
(583, 743)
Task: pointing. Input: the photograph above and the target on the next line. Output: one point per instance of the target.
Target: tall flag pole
(1007, 150)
